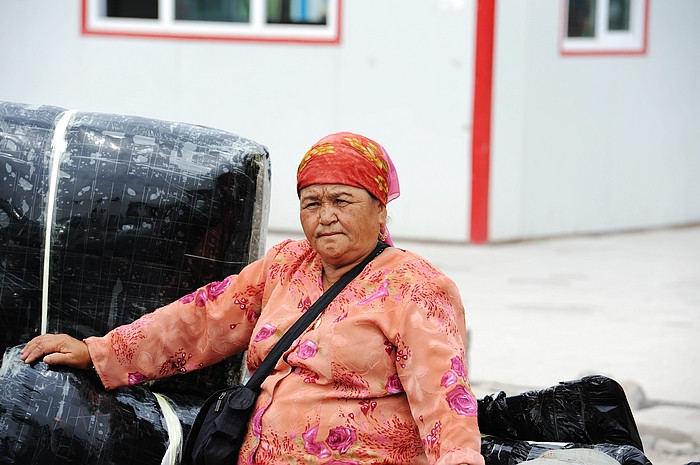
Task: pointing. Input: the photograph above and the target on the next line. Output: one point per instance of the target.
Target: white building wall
(586, 144)
(579, 144)
(402, 75)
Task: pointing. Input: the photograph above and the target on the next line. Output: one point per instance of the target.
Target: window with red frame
(262, 20)
(604, 27)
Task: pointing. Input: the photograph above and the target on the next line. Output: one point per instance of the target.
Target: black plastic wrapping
(144, 211)
(591, 410)
(56, 416)
(501, 451)
(25, 148)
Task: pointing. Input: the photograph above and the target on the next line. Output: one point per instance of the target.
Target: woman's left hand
(57, 349)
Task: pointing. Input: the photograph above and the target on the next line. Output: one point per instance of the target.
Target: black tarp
(128, 213)
(590, 410)
(52, 416)
(502, 451)
(591, 413)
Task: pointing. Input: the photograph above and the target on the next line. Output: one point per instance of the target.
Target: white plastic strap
(174, 428)
(58, 148)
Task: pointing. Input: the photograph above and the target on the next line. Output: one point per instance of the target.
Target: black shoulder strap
(307, 318)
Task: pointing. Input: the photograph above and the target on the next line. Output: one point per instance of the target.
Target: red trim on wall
(289, 40)
(83, 17)
(481, 120)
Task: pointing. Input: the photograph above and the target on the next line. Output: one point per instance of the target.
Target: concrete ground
(624, 305)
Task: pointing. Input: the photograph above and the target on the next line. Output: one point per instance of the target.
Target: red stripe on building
(481, 120)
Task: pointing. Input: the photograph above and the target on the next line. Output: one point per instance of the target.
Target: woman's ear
(382, 214)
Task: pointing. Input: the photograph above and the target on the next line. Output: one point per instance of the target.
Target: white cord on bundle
(174, 428)
(58, 148)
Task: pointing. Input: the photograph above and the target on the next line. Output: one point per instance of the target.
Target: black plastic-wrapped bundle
(55, 416)
(501, 451)
(104, 218)
(591, 410)
(25, 148)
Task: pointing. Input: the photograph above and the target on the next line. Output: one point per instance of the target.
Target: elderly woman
(380, 377)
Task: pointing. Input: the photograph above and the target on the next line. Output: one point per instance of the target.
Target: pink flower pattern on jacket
(380, 377)
(462, 401)
(307, 349)
(217, 288)
(341, 438)
(393, 384)
(265, 332)
(319, 449)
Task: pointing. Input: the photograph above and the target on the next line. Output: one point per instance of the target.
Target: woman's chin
(331, 248)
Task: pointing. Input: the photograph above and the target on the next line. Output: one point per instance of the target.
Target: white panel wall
(595, 143)
(580, 144)
(402, 74)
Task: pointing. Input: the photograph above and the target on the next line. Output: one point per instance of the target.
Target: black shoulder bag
(218, 430)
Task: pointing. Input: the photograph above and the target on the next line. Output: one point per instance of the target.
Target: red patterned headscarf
(353, 160)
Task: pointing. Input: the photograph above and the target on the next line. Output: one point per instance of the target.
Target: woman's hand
(57, 349)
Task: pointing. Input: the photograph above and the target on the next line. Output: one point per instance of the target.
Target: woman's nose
(327, 213)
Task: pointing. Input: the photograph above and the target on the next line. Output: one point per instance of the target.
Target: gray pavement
(626, 306)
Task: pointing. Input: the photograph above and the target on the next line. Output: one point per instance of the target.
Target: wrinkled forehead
(319, 191)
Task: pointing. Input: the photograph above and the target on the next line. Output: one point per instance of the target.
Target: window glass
(619, 15)
(233, 11)
(147, 9)
(581, 18)
(297, 11)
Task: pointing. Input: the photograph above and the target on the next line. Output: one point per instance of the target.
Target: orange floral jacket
(380, 377)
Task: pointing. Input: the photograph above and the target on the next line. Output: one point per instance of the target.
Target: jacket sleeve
(198, 330)
(432, 336)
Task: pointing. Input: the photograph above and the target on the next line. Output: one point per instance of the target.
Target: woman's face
(341, 222)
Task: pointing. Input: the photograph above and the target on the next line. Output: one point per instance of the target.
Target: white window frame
(605, 42)
(95, 22)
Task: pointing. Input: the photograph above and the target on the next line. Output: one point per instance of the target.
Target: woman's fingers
(33, 350)
(59, 349)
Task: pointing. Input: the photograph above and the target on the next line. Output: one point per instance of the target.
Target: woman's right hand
(57, 349)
